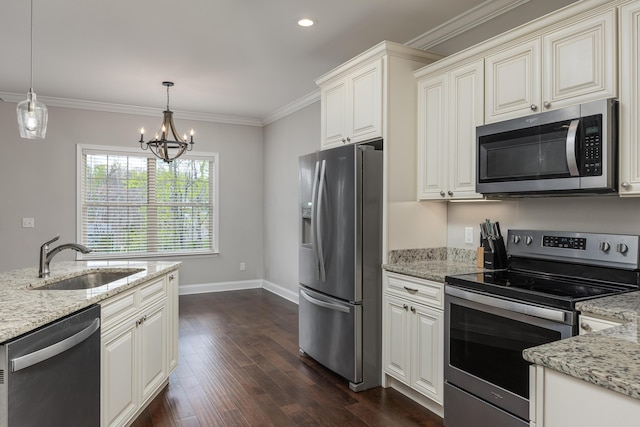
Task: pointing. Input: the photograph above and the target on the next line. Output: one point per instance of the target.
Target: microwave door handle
(571, 148)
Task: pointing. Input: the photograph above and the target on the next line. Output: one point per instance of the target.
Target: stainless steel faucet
(46, 256)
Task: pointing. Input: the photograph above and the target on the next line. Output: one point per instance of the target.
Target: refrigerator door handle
(325, 304)
(320, 249)
(314, 218)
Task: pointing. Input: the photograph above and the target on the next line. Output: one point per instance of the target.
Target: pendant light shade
(32, 115)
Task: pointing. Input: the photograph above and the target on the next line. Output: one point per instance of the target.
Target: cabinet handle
(450, 193)
(442, 193)
(411, 290)
(625, 185)
(405, 306)
(413, 309)
(585, 326)
(546, 104)
(534, 107)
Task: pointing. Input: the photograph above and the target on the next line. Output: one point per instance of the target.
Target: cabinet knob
(546, 104)
(585, 326)
(450, 193)
(405, 306)
(348, 139)
(413, 309)
(171, 277)
(344, 140)
(625, 185)
(534, 107)
(442, 193)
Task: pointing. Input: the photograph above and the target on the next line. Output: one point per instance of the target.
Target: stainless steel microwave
(573, 150)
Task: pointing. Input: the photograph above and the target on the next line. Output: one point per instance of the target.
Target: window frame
(82, 149)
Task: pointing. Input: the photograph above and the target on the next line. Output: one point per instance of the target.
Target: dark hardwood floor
(240, 366)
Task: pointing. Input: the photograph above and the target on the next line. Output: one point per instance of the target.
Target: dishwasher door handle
(38, 356)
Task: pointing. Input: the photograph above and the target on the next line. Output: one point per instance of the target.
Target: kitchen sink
(89, 280)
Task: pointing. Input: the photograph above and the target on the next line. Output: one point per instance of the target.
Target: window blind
(137, 205)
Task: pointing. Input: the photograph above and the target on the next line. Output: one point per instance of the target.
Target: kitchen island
(592, 377)
(139, 325)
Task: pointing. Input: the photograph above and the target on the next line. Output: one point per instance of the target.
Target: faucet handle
(50, 241)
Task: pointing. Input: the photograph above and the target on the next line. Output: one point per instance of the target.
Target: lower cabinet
(413, 334)
(139, 348)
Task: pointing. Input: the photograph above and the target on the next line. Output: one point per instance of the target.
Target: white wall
(604, 214)
(38, 180)
(284, 141)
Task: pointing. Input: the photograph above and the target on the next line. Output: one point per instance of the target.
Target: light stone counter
(23, 307)
(609, 358)
(432, 264)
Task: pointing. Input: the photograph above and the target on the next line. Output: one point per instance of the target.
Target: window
(132, 204)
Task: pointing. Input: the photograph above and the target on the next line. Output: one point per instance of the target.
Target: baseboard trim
(203, 288)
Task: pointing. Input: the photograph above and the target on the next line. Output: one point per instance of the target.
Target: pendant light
(32, 114)
(163, 148)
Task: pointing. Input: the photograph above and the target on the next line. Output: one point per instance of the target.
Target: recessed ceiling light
(306, 22)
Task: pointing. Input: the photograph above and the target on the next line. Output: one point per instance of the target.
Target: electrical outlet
(468, 235)
(243, 267)
(28, 223)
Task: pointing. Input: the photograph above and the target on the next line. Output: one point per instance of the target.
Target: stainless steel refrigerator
(340, 256)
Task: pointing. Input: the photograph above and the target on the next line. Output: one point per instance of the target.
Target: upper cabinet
(355, 97)
(630, 100)
(450, 106)
(352, 106)
(569, 65)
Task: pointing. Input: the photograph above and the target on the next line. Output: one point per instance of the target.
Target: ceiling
(229, 58)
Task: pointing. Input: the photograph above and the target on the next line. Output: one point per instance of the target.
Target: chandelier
(32, 114)
(163, 148)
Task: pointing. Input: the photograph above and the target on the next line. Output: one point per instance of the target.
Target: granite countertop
(432, 264)
(609, 358)
(23, 307)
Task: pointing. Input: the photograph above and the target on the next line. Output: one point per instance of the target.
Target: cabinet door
(118, 376)
(512, 82)
(466, 111)
(432, 137)
(173, 281)
(630, 100)
(579, 62)
(333, 114)
(427, 351)
(364, 117)
(396, 338)
(152, 332)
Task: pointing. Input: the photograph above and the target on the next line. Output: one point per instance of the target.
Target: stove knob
(515, 239)
(528, 240)
(622, 248)
(605, 246)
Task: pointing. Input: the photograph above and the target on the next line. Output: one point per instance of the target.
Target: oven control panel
(610, 250)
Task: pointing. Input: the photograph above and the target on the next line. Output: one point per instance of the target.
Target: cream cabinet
(591, 323)
(139, 348)
(572, 64)
(629, 100)
(352, 106)
(559, 400)
(413, 334)
(450, 106)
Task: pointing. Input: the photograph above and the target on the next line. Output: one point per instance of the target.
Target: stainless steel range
(490, 318)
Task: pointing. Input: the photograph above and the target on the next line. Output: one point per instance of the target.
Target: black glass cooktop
(558, 292)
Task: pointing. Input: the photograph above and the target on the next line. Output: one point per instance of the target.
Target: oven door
(484, 340)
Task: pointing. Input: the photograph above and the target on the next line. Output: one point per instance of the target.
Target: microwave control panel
(591, 129)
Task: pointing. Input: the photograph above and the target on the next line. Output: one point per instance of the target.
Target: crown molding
(464, 22)
(292, 107)
(131, 109)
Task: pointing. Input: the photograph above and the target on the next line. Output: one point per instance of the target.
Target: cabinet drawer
(153, 291)
(419, 290)
(118, 308)
(590, 324)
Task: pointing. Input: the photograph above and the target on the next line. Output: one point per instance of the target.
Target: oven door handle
(513, 306)
(571, 148)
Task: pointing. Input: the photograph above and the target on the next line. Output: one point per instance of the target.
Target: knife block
(497, 258)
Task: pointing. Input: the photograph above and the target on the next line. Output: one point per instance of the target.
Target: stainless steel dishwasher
(51, 376)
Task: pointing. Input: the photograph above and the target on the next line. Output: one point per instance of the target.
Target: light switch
(28, 223)
(468, 235)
